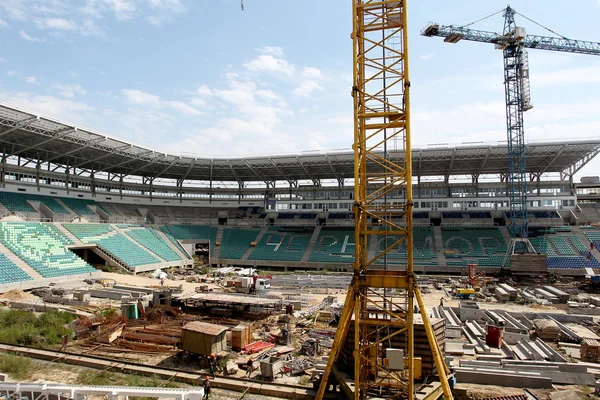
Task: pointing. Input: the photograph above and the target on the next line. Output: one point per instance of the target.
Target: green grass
(25, 328)
(105, 378)
(17, 367)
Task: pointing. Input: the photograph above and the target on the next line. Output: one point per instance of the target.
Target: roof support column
(475, 181)
(93, 180)
(68, 177)
(3, 175)
(180, 190)
(240, 193)
(37, 172)
(121, 186)
(210, 191)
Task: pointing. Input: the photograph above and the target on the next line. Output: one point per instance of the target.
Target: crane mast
(380, 302)
(515, 75)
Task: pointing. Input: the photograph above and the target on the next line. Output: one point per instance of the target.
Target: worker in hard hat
(250, 365)
(212, 362)
(206, 386)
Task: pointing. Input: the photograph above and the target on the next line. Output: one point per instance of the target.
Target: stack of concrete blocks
(453, 324)
(525, 374)
(501, 294)
(512, 292)
(547, 295)
(546, 329)
(563, 297)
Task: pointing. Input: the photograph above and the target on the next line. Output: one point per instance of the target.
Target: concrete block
(501, 378)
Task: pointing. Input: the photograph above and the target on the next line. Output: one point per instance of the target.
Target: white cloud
(69, 90)
(312, 73)
(25, 36)
(123, 9)
(306, 88)
(73, 73)
(11, 72)
(90, 28)
(14, 9)
(204, 91)
(2, 60)
(56, 23)
(567, 76)
(3, 23)
(183, 108)
(137, 97)
(32, 80)
(427, 56)
(51, 106)
(271, 59)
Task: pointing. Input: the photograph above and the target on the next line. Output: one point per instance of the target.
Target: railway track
(192, 378)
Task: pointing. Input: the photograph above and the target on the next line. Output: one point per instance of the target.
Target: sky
(204, 78)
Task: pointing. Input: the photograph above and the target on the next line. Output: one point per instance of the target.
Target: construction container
(203, 338)
(241, 336)
(270, 367)
(493, 337)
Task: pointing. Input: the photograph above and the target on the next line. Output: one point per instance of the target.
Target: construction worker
(212, 362)
(250, 365)
(206, 386)
(441, 302)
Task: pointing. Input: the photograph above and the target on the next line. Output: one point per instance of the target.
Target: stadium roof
(39, 138)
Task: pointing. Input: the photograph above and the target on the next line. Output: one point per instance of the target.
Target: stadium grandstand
(73, 201)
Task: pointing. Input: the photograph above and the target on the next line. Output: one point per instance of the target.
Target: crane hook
(242, 4)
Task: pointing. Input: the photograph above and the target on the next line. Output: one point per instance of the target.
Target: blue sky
(204, 77)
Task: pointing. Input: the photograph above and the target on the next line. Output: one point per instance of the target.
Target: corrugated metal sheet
(205, 328)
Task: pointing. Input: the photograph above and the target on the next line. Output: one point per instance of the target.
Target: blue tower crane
(513, 42)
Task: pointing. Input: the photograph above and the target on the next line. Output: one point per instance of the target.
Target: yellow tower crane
(380, 301)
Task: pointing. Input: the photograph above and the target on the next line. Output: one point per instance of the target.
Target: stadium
(74, 201)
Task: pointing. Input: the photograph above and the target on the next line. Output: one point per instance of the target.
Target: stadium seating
(41, 248)
(483, 246)
(564, 252)
(173, 240)
(593, 236)
(17, 202)
(236, 242)
(125, 250)
(282, 244)
(335, 246)
(10, 272)
(79, 206)
(85, 231)
(150, 239)
(425, 250)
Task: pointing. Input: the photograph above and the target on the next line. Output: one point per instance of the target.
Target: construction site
(381, 272)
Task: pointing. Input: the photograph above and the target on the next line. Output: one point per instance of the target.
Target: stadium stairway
(3, 210)
(311, 244)
(68, 234)
(439, 245)
(184, 256)
(72, 213)
(20, 263)
(218, 239)
(505, 234)
(372, 247)
(264, 230)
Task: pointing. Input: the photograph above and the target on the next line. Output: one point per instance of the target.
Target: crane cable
(538, 24)
(482, 18)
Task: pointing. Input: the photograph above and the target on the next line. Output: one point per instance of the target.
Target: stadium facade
(292, 211)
